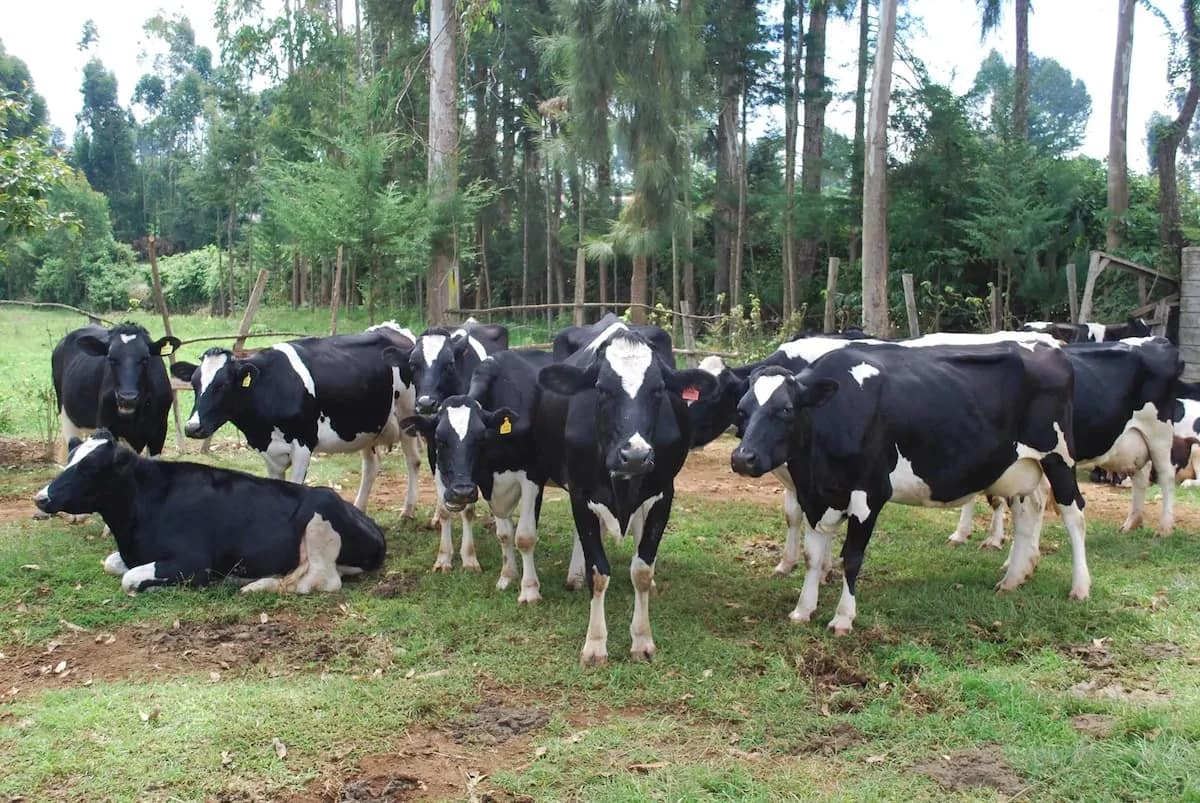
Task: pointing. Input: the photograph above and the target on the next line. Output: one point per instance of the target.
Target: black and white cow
(483, 442)
(316, 394)
(1124, 401)
(613, 424)
(113, 379)
(929, 425)
(1091, 332)
(178, 522)
(576, 338)
(1186, 422)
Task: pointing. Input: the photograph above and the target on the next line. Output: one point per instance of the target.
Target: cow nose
(464, 493)
(126, 398)
(193, 429)
(42, 498)
(744, 461)
(426, 405)
(635, 459)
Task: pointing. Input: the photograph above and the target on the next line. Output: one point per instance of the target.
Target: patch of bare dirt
(79, 658)
(841, 736)
(19, 453)
(1094, 654)
(707, 474)
(493, 723)
(16, 509)
(969, 769)
(1161, 650)
(1098, 726)
(1111, 503)
(395, 584)
(1106, 688)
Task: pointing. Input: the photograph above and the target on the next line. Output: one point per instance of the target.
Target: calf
(1124, 399)
(484, 443)
(188, 523)
(1091, 332)
(316, 394)
(613, 425)
(920, 425)
(113, 379)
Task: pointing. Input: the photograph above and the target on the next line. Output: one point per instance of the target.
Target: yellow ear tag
(246, 381)
(505, 426)
(166, 350)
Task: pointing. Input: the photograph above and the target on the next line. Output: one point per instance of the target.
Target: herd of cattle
(847, 423)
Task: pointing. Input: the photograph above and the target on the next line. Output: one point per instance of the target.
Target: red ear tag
(691, 394)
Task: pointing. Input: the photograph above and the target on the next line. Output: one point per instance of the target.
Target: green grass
(736, 705)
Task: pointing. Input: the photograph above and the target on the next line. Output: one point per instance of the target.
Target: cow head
(1138, 327)
(631, 387)
(128, 349)
(713, 414)
(92, 467)
(460, 431)
(221, 383)
(772, 414)
(432, 367)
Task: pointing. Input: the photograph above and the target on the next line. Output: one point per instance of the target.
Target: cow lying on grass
(188, 523)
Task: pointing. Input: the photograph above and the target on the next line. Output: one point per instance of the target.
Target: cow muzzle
(745, 462)
(127, 404)
(194, 429)
(427, 405)
(459, 496)
(42, 500)
(632, 461)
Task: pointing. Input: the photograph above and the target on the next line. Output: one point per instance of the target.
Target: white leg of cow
(843, 619)
(412, 459)
(1081, 579)
(595, 648)
(504, 534)
(1160, 458)
(370, 470)
(263, 585)
(442, 518)
(995, 539)
(817, 545)
(114, 565)
(1137, 499)
(301, 455)
(795, 525)
(69, 430)
(642, 576)
(526, 541)
(966, 522)
(322, 544)
(467, 549)
(576, 570)
(1023, 556)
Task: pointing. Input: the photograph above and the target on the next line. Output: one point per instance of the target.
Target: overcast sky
(1079, 35)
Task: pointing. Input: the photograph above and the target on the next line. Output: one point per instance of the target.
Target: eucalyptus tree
(990, 21)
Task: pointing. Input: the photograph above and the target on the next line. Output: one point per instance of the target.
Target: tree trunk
(725, 200)
(875, 235)
(860, 108)
(443, 151)
(229, 242)
(816, 98)
(637, 289)
(358, 41)
(1118, 176)
(739, 242)
(791, 16)
(296, 281)
(1167, 146)
(554, 247)
(1021, 73)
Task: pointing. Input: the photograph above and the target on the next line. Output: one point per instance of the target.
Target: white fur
(603, 337)
(128, 338)
(136, 576)
(1096, 331)
(638, 442)
(765, 387)
(862, 372)
(810, 348)
(431, 347)
(85, 449)
(630, 360)
(208, 369)
(298, 366)
(460, 419)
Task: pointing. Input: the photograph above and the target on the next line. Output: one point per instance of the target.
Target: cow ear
(500, 422)
(567, 380)
(396, 356)
(124, 457)
(183, 371)
(93, 346)
(819, 393)
(692, 384)
(459, 344)
(419, 425)
(165, 346)
(73, 443)
(247, 372)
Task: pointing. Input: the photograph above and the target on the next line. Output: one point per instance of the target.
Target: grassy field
(414, 685)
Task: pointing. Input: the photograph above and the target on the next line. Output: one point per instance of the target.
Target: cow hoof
(1131, 524)
(956, 540)
(473, 566)
(840, 626)
(643, 650)
(800, 617)
(1162, 531)
(990, 545)
(574, 583)
(40, 516)
(784, 568)
(77, 518)
(529, 596)
(596, 655)
(503, 582)
(1080, 593)
(443, 566)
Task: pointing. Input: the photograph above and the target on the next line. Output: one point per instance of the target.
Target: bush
(191, 279)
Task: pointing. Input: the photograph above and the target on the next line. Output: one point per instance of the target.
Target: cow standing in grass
(316, 394)
(188, 523)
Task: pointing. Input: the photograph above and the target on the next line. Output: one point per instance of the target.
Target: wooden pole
(256, 295)
(162, 306)
(831, 295)
(333, 302)
(1072, 292)
(689, 332)
(910, 305)
(580, 285)
(1189, 314)
(994, 307)
(1096, 266)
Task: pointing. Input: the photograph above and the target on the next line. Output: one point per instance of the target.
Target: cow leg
(1023, 555)
(319, 549)
(1140, 480)
(576, 571)
(818, 543)
(115, 565)
(504, 534)
(301, 455)
(641, 574)
(1159, 443)
(795, 521)
(966, 523)
(531, 495)
(1070, 509)
(587, 523)
(858, 534)
(412, 458)
(995, 539)
(152, 576)
(277, 463)
(370, 470)
(441, 516)
(467, 548)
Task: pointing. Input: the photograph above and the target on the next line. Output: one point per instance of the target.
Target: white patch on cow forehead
(298, 366)
(603, 337)
(209, 367)
(630, 360)
(431, 347)
(84, 449)
(1096, 331)
(712, 364)
(862, 372)
(765, 387)
(128, 338)
(460, 419)
(810, 348)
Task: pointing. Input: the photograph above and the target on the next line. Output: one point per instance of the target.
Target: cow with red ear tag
(613, 429)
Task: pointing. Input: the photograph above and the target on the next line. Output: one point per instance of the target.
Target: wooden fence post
(831, 295)
(1072, 292)
(1096, 266)
(333, 302)
(162, 306)
(910, 305)
(580, 285)
(256, 295)
(689, 331)
(1189, 314)
(994, 307)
